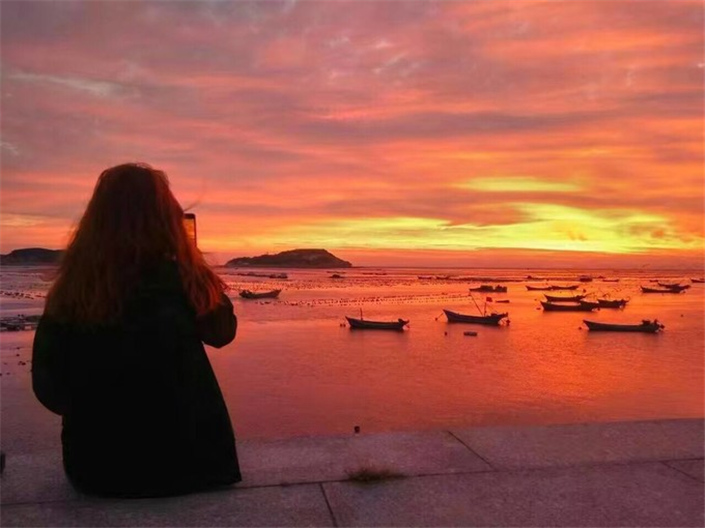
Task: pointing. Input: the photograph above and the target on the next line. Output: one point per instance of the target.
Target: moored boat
(490, 289)
(610, 280)
(571, 287)
(580, 306)
(491, 319)
(669, 284)
(399, 324)
(697, 281)
(612, 303)
(646, 326)
(644, 289)
(538, 288)
(674, 286)
(248, 294)
(561, 298)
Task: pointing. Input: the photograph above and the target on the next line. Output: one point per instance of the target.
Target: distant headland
(295, 258)
(23, 257)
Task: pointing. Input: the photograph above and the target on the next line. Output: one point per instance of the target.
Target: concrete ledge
(320, 459)
(642, 495)
(567, 445)
(615, 474)
(273, 506)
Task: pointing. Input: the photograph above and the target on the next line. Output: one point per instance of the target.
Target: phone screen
(190, 225)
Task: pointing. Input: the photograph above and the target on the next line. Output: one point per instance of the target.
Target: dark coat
(142, 411)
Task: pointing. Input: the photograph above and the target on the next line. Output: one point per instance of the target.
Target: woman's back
(119, 354)
(143, 413)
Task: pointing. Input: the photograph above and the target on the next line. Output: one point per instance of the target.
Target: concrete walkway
(613, 474)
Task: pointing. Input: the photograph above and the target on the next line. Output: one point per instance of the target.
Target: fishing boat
(248, 294)
(487, 288)
(610, 280)
(697, 281)
(561, 298)
(580, 306)
(644, 289)
(572, 287)
(539, 288)
(399, 324)
(612, 303)
(585, 278)
(491, 319)
(674, 286)
(646, 326)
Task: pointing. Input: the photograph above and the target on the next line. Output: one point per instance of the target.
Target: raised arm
(49, 366)
(218, 327)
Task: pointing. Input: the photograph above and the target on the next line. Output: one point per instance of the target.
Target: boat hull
(572, 298)
(361, 324)
(612, 303)
(246, 294)
(580, 306)
(491, 320)
(489, 289)
(646, 327)
(644, 289)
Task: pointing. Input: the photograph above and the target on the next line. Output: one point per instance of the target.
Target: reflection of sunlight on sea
(294, 370)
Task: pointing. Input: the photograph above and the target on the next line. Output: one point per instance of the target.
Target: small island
(31, 256)
(295, 258)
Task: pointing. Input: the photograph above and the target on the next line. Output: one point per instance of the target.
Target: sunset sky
(483, 133)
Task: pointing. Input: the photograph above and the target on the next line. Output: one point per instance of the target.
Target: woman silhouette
(119, 352)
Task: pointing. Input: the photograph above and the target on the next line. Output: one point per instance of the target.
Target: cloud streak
(558, 126)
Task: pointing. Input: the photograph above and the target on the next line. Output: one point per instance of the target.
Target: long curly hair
(131, 224)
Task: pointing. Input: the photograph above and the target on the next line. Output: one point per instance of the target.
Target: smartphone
(190, 225)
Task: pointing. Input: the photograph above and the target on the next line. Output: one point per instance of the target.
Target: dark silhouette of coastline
(295, 258)
(19, 257)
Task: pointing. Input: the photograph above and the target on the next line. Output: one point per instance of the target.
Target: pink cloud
(271, 114)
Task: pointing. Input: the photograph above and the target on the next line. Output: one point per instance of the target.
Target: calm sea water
(296, 369)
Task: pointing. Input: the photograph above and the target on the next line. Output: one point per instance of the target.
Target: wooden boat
(610, 280)
(538, 288)
(644, 289)
(504, 301)
(612, 303)
(491, 319)
(585, 278)
(697, 281)
(646, 326)
(247, 294)
(668, 284)
(376, 325)
(557, 298)
(674, 286)
(580, 306)
(490, 289)
(573, 287)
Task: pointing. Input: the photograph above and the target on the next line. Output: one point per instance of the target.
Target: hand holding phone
(190, 225)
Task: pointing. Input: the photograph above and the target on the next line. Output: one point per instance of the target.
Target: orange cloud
(367, 126)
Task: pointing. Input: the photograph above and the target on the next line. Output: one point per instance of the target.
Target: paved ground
(615, 474)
